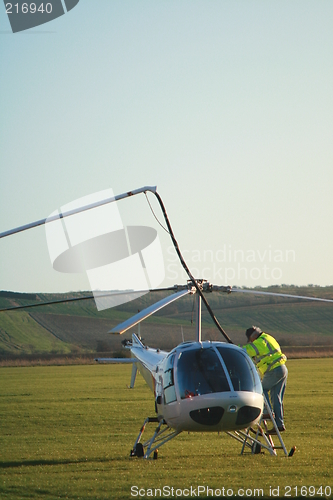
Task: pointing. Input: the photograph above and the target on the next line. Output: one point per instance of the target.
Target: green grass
(66, 432)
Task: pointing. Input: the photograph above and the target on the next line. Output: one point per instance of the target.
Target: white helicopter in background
(199, 386)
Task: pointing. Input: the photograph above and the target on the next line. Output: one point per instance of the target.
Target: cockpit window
(242, 372)
(199, 371)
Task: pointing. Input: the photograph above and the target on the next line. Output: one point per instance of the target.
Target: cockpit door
(170, 405)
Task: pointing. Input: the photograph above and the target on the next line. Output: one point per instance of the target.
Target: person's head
(253, 333)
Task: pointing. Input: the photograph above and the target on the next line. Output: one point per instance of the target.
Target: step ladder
(258, 439)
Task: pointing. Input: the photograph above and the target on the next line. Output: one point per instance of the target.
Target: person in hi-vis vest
(271, 364)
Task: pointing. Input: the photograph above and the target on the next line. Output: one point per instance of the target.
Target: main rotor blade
(134, 320)
(288, 295)
(188, 272)
(85, 297)
(50, 302)
(77, 211)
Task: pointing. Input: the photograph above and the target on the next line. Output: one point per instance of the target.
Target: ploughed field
(303, 328)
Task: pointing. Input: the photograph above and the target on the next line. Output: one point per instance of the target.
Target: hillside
(77, 327)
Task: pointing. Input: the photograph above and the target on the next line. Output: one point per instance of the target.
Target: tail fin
(136, 342)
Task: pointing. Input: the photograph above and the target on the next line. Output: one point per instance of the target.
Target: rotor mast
(202, 285)
(198, 318)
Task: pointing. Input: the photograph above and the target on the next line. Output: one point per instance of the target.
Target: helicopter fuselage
(201, 386)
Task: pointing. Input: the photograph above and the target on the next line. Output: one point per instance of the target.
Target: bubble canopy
(214, 368)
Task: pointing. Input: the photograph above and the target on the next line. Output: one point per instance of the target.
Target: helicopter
(199, 386)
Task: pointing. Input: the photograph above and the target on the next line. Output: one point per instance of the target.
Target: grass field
(66, 432)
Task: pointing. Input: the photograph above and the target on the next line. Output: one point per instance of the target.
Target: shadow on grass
(37, 463)
(21, 492)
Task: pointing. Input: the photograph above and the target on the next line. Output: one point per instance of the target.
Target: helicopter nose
(212, 415)
(220, 412)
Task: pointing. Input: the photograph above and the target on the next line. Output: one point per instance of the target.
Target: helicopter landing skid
(253, 443)
(260, 431)
(159, 438)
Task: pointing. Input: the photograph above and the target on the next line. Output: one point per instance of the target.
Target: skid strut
(160, 437)
(258, 438)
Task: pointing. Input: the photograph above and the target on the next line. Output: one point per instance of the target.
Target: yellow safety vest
(266, 353)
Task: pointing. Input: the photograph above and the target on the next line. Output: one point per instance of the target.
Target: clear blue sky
(226, 106)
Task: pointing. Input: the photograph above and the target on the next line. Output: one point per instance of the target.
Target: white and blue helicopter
(199, 386)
